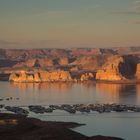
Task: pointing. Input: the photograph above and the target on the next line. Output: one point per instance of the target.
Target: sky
(69, 23)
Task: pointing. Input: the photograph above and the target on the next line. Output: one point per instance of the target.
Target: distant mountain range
(116, 63)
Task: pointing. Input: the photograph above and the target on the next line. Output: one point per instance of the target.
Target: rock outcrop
(40, 76)
(109, 64)
(63, 61)
(90, 63)
(30, 63)
(86, 76)
(46, 62)
(111, 70)
(138, 71)
(22, 76)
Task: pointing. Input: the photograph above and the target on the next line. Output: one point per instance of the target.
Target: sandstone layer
(40, 76)
(112, 64)
(111, 70)
(138, 71)
(86, 76)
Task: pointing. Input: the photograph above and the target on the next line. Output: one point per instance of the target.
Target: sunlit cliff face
(117, 68)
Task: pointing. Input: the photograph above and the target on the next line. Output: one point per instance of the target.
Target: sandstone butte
(111, 70)
(45, 76)
(40, 76)
(138, 71)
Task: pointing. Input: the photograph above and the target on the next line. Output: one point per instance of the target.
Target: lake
(125, 125)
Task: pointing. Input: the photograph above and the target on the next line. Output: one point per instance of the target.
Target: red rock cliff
(111, 70)
(40, 76)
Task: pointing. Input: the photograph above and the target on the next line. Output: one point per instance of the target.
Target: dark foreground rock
(18, 127)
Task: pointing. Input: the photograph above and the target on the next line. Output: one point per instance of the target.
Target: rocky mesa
(111, 69)
(98, 64)
(119, 68)
(40, 76)
(48, 76)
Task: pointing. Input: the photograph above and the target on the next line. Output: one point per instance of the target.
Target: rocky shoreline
(41, 76)
(71, 109)
(19, 127)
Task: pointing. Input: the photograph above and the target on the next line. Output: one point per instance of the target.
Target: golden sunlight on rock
(138, 71)
(86, 76)
(40, 76)
(63, 61)
(111, 70)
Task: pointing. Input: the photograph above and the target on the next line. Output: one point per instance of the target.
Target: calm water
(60, 93)
(125, 125)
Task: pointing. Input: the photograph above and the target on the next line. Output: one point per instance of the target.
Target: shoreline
(86, 81)
(71, 109)
(20, 127)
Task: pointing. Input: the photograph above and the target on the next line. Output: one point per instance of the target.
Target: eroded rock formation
(40, 76)
(138, 71)
(110, 64)
(86, 76)
(64, 61)
(90, 63)
(111, 70)
(30, 63)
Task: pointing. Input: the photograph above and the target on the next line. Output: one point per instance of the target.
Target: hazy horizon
(69, 23)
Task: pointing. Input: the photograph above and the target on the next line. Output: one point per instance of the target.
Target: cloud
(7, 44)
(31, 44)
(137, 5)
(134, 9)
(127, 12)
(60, 13)
(137, 8)
(135, 22)
(52, 13)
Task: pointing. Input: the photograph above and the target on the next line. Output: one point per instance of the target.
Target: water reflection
(61, 87)
(119, 93)
(110, 92)
(59, 93)
(138, 93)
(43, 93)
